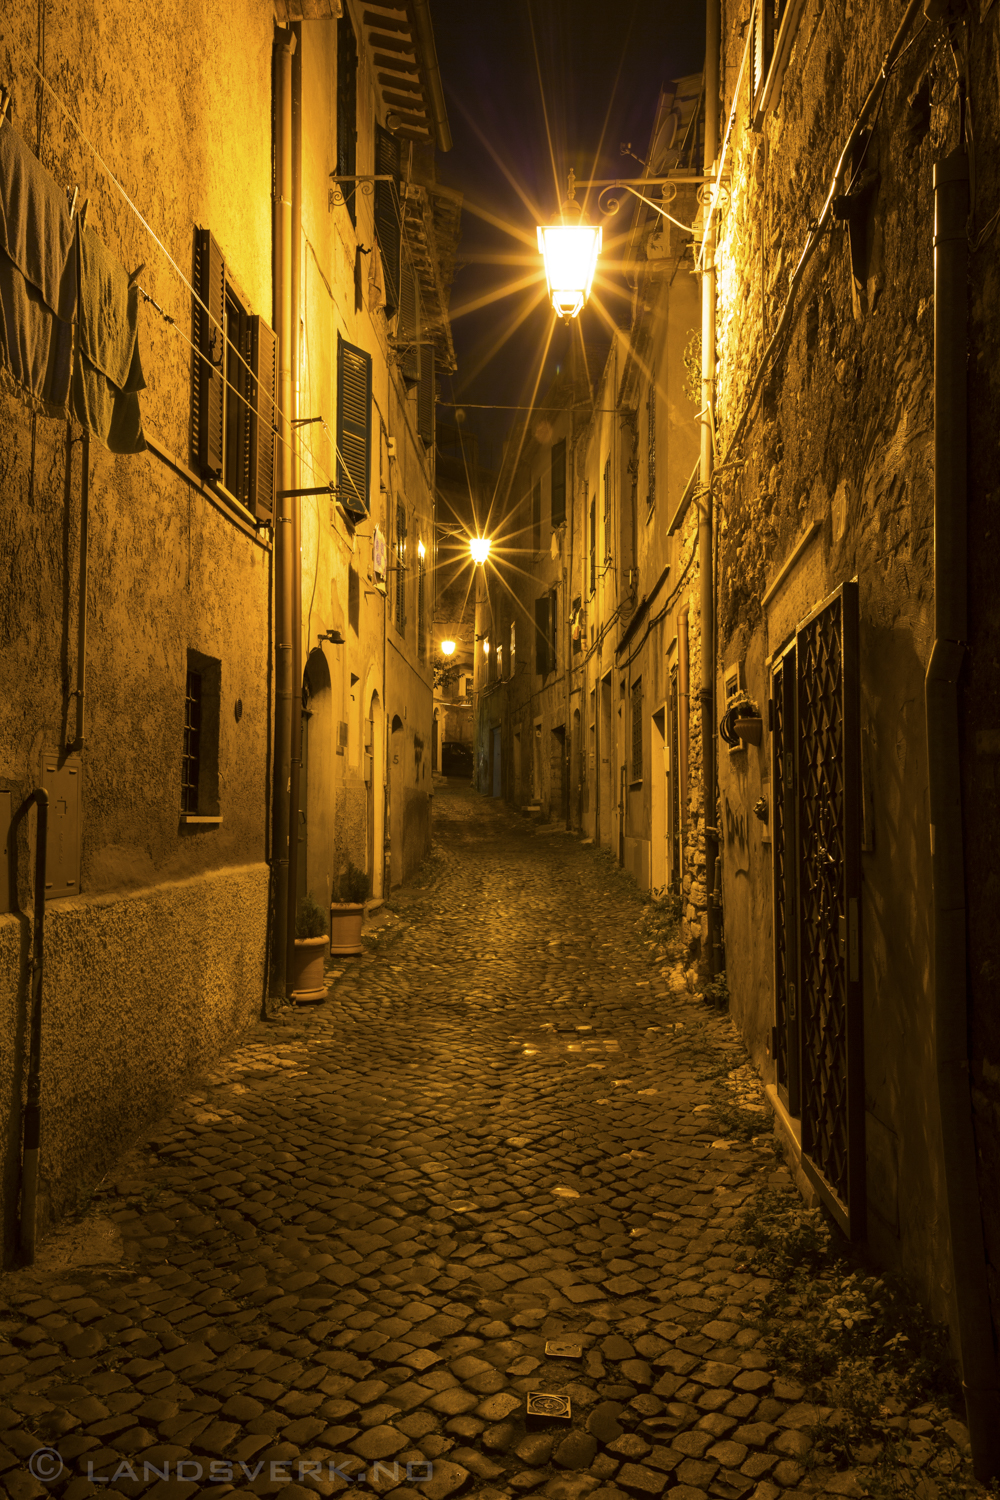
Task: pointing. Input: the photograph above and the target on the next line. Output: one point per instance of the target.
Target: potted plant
(310, 950)
(347, 910)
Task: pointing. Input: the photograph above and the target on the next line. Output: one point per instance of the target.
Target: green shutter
(209, 385)
(264, 363)
(354, 426)
(388, 225)
(408, 336)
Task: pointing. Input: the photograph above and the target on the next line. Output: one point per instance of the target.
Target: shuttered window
(593, 544)
(408, 334)
(558, 494)
(347, 111)
(545, 634)
(234, 387)
(388, 222)
(400, 567)
(354, 427)
(426, 396)
(421, 609)
(637, 730)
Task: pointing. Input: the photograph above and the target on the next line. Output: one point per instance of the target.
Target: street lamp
(447, 648)
(479, 547)
(569, 250)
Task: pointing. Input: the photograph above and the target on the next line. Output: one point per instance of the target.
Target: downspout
(283, 549)
(705, 563)
(951, 1022)
(567, 602)
(295, 297)
(684, 727)
(33, 1105)
(79, 691)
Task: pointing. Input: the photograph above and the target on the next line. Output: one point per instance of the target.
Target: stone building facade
(267, 371)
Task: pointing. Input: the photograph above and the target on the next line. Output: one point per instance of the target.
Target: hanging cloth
(108, 374)
(38, 276)
(376, 281)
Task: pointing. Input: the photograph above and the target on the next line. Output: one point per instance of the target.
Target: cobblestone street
(491, 1165)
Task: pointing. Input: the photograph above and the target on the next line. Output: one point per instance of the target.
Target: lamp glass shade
(570, 254)
(447, 648)
(479, 546)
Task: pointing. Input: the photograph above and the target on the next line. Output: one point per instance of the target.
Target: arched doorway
(397, 794)
(374, 789)
(315, 834)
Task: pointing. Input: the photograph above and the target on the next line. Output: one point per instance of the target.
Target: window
(235, 380)
(426, 396)
(354, 428)
(593, 544)
(542, 635)
(637, 730)
(513, 648)
(607, 508)
(468, 686)
(388, 222)
(553, 632)
(536, 517)
(500, 664)
(200, 749)
(400, 568)
(421, 605)
(347, 111)
(774, 24)
(558, 490)
(407, 341)
(577, 624)
(651, 443)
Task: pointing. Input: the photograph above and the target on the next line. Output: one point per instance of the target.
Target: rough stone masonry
(485, 1168)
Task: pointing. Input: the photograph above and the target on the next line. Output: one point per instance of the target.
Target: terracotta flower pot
(749, 729)
(307, 978)
(346, 918)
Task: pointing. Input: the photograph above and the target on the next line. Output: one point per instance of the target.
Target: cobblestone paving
(485, 1168)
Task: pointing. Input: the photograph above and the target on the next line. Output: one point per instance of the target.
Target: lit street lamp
(447, 648)
(569, 250)
(479, 547)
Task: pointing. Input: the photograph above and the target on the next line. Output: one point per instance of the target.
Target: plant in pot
(310, 950)
(347, 910)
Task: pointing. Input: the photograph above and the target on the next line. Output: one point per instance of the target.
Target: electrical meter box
(64, 784)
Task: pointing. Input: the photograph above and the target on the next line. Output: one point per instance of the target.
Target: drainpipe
(683, 737)
(283, 548)
(705, 563)
(33, 1106)
(951, 1021)
(295, 289)
(81, 624)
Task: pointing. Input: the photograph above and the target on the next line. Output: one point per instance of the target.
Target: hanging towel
(37, 277)
(108, 374)
(376, 282)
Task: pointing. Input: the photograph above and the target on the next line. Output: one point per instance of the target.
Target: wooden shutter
(409, 325)
(761, 50)
(426, 392)
(558, 493)
(354, 426)
(264, 363)
(210, 388)
(542, 635)
(388, 226)
(347, 110)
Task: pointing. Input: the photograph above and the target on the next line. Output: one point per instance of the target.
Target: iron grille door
(786, 1012)
(828, 870)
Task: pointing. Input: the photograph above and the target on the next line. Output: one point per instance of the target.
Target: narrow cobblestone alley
(489, 1166)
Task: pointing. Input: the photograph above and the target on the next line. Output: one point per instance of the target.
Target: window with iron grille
(637, 730)
(400, 567)
(557, 502)
(651, 443)
(191, 758)
(235, 371)
(347, 110)
(421, 609)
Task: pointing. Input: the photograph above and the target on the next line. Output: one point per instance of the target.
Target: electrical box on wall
(64, 784)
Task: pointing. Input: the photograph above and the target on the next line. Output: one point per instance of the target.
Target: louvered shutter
(388, 226)
(763, 46)
(426, 392)
(210, 387)
(264, 363)
(409, 325)
(354, 426)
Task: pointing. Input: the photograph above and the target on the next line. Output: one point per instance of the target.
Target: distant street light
(569, 250)
(479, 546)
(447, 648)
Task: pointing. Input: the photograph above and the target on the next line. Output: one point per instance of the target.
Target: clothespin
(136, 272)
(5, 101)
(72, 204)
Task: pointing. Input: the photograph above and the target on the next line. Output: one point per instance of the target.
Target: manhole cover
(547, 1408)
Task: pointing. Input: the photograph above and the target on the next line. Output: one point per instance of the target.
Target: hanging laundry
(376, 281)
(38, 275)
(108, 374)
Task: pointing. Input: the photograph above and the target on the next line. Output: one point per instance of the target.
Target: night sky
(599, 68)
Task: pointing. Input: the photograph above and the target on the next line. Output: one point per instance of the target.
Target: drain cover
(563, 1349)
(543, 1407)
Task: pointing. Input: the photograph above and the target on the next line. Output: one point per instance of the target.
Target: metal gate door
(818, 1039)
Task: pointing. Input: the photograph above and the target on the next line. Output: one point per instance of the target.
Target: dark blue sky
(599, 64)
